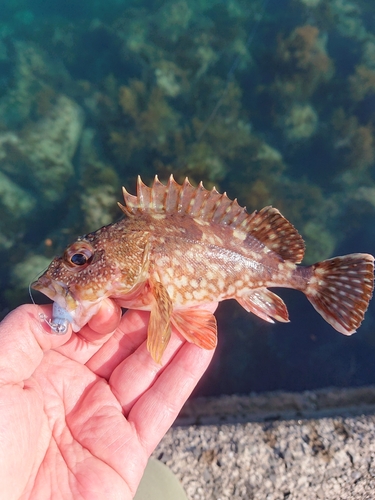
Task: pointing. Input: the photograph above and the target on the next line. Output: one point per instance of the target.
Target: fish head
(103, 264)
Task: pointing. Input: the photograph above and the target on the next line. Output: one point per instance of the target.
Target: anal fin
(265, 304)
(159, 328)
(197, 326)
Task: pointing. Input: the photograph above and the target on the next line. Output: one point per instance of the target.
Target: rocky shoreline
(276, 446)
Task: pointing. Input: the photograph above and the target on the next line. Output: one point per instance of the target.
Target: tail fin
(341, 288)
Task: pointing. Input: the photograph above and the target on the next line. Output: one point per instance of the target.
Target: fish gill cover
(95, 93)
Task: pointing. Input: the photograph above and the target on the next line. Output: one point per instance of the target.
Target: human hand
(81, 413)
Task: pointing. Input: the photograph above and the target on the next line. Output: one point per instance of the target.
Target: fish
(179, 247)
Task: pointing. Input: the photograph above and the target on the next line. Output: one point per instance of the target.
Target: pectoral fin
(265, 304)
(159, 328)
(196, 326)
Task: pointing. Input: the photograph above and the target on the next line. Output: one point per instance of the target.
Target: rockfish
(179, 247)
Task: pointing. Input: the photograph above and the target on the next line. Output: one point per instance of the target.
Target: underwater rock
(365, 193)
(207, 57)
(347, 15)
(300, 122)
(321, 242)
(98, 205)
(369, 54)
(202, 160)
(30, 72)
(310, 3)
(168, 78)
(362, 83)
(26, 271)
(15, 205)
(39, 156)
(355, 145)
(21, 275)
(268, 153)
(173, 19)
(100, 184)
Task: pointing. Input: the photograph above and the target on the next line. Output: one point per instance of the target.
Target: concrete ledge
(277, 446)
(278, 405)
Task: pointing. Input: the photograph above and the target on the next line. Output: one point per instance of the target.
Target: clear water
(272, 101)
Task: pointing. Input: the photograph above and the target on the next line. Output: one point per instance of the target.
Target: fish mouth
(79, 311)
(56, 291)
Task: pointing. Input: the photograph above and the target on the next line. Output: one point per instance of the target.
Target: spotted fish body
(179, 247)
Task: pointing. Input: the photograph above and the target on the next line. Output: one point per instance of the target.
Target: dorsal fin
(277, 234)
(183, 198)
(267, 225)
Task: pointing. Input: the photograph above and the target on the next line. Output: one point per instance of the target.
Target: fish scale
(180, 247)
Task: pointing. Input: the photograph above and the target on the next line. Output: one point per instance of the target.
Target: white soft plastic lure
(60, 320)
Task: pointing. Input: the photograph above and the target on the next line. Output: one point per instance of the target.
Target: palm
(82, 434)
(73, 439)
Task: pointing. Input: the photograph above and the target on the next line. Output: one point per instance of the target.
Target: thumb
(24, 337)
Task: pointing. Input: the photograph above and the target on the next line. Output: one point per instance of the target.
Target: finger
(85, 343)
(24, 337)
(108, 317)
(137, 372)
(105, 321)
(129, 335)
(155, 411)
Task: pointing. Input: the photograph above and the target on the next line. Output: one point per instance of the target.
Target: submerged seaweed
(272, 101)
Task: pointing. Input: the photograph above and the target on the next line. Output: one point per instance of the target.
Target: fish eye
(79, 259)
(78, 255)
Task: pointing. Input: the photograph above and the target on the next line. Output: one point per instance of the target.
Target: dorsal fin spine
(171, 196)
(267, 225)
(158, 192)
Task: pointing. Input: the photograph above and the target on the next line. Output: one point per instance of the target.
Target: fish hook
(59, 323)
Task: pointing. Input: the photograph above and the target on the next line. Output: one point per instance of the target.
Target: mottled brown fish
(180, 246)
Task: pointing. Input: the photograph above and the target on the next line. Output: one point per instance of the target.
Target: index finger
(90, 339)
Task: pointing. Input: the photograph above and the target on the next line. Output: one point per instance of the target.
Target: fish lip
(45, 286)
(56, 291)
